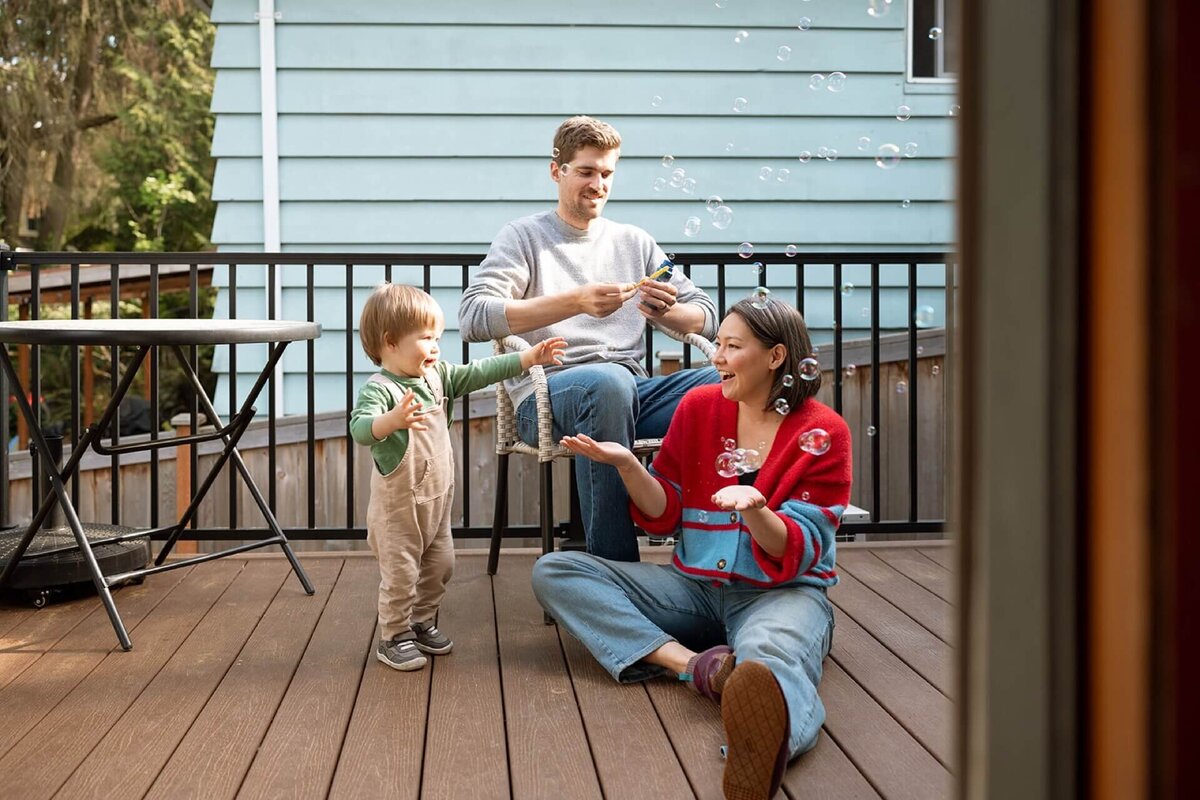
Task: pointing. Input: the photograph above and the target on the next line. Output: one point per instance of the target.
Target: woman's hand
(739, 498)
(544, 353)
(617, 455)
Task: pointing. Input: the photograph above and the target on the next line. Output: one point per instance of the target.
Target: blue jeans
(623, 612)
(610, 404)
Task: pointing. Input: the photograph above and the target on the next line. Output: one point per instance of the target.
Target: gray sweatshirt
(541, 255)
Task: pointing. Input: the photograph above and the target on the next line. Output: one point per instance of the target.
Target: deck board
(160, 717)
(214, 756)
(465, 748)
(299, 754)
(35, 770)
(241, 686)
(548, 752)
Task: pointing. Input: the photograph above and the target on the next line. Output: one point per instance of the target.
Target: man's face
(583, 184)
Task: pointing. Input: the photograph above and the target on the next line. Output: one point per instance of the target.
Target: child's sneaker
(401, 653)
(430, 639)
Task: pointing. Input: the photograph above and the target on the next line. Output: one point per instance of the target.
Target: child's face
(414, 352)
(745, 364)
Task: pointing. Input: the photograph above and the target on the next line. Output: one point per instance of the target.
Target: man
(570, 273)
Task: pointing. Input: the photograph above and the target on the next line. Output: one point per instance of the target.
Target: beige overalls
(408, 520)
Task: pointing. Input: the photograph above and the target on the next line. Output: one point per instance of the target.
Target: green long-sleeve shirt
(457, 380)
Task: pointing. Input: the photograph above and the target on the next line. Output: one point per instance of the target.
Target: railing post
(182, 423)
(7, 264)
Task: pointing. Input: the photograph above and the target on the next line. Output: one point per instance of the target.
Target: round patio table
(146, 335)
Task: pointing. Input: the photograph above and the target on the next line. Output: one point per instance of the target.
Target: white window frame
(945, 79)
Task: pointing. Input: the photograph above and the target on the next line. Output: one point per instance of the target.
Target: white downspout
(266, 16)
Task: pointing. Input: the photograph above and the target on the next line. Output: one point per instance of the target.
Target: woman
(753, 477)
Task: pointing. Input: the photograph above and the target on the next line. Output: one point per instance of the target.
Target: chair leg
(499, 515)
(575, 526)
(546, 484)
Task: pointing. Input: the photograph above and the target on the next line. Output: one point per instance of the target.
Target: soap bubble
(805, 156)
(739, 104)
(905, 203)
(782, 174)
(740, 37)
(887, 157)
(729, 147)
(712, 203)
(903, 113)
(910, 149)
(804, 23)
(847, 289)
(935, 33)
(788, 381)
(721, 3)
(751, 460)
(924, 316)
(935, 370)
(678, 175)
(689, 186)
(783, 53)
(815, 442)
(727, 465)
(656, 101)
(822, 151)
(879, 8)
(554, 153)
(863, 143)
(901, 387)
(704, 516)
(728, 444)
(758, 267)
(864, 312)
(745, 249)
(760, 298)
(849, 370)
(691, 227)
(37, 126)
(782, 408)
(816, 81)
(831, 155)
(836, 81)
(790, 251)
(810, 368)
(920, 349)
(667, 161)
(954, 109)
(660, 184)
(872, 430)
(764, 174)
(804, 496)
(722, 217)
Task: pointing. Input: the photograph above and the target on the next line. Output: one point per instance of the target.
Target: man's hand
(601, 299)
(601, 452)
(544, 353)
(657, 298)
(405, 414)
(739, 498)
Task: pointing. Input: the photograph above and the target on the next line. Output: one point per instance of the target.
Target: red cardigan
(808, 492)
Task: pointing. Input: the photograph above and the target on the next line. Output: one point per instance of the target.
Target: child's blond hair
(392, 311)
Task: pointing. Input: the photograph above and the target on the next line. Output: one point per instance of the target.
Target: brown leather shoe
(756, 721)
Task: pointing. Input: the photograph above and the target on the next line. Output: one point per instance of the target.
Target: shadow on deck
(241, 686)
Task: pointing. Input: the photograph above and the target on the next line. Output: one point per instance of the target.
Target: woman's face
(746, 365)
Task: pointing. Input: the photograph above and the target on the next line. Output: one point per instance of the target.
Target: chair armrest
(694, 339)
(541, 391)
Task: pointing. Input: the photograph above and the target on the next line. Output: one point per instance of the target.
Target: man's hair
(779, 323)
(579, 132)
(394, 310)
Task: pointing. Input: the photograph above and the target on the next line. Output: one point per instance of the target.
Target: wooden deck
(239, 685)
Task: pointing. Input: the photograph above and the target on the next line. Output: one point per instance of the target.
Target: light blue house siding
(424, 127)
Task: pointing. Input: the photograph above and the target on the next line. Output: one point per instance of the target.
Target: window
(934, 41)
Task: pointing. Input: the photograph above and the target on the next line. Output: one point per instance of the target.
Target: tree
(104, 122)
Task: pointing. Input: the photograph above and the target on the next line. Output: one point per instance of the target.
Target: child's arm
(405, 414)
(458, 380)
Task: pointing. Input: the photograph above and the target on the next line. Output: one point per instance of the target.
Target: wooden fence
(330, 442)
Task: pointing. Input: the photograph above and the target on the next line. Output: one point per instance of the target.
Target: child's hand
(600, 452)
(545, 353)
(739, 498)
(407, 414)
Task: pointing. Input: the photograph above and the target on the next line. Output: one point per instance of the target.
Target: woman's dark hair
(775, 323)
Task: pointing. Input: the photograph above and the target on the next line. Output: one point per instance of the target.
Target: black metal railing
(724, 274)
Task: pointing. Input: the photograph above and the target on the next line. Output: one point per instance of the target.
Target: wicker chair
(508, 442)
